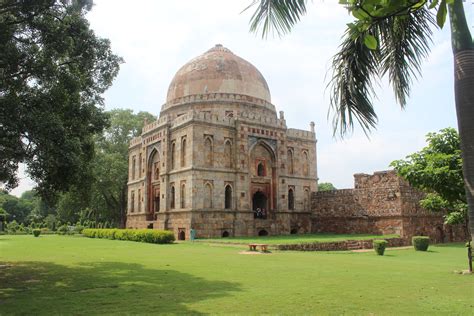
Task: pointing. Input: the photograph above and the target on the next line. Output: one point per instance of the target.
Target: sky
(155, 38)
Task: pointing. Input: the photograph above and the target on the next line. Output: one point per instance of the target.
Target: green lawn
(74, 275)
(296, 239)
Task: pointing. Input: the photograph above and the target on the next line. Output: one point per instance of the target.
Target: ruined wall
(381, 203)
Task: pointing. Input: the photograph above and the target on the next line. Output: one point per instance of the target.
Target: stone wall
(381, 203)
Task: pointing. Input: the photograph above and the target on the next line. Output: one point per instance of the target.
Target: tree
(106, 198)
(326, 186)
(53, 70)
(389, 38)
(437, 170)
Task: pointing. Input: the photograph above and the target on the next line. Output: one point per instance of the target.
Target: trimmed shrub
(78, 229)
(141, 235)
(420, 243)
(36, 232)
(379, 246)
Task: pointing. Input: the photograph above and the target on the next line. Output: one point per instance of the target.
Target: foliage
(379, 246)
(78, 229)
(54, 70)
(63, 230)
(13, 227)
(420, 243)
(36, 232)
(437, 170)
(106, 197)
(326, 186)
(141, 235)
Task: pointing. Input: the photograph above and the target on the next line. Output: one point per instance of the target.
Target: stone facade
(217, 154)
(381, 203)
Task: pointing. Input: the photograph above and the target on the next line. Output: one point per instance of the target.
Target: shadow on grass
(107, 287)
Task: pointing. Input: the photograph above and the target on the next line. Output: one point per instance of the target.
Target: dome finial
(219, 48)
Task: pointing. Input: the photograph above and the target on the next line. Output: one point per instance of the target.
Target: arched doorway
(259, 205)
(181, 234)
(263, 232)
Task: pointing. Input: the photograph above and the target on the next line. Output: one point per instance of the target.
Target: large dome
(218, 71)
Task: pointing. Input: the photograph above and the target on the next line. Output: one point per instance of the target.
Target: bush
(140, 235)
(379, 246)
(78, 229)
(63, 229)
(420, 243)
(36, 232)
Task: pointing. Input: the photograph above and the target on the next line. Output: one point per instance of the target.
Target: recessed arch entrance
(260, 205)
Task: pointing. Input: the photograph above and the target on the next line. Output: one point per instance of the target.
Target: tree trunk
(464, 94)
(463, 50)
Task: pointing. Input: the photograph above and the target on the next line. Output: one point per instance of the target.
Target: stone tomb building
(219, 160)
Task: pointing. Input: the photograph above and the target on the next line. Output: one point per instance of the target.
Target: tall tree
(389, 38)
(53, 70)
(106, 198)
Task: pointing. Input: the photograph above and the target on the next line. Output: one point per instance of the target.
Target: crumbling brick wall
(381, 203)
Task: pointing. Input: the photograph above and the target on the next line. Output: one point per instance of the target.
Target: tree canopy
(326, 186)
(53, 71)
(437, 170)
(105, 199)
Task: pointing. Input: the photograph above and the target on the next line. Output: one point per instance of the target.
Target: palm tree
(388, 38)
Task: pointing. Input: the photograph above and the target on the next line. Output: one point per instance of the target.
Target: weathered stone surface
(217, 153)
(381, 203)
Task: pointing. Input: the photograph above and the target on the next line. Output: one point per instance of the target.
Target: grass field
(74, 275)
(296, 239)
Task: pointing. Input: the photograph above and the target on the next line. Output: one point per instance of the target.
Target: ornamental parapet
(135, 141)
(211, 97)
(299, 133)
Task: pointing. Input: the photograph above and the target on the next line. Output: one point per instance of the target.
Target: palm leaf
(403, 42)
(276, 15)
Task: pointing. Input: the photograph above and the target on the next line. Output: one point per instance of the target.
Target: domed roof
(218, 71)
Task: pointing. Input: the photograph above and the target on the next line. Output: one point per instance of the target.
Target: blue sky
(156, 38)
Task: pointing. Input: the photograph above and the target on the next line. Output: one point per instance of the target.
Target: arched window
(306, 200)
(134, 166)
(183, 152)
(156, 170)
(228, 154)
(290, 161)
(305, 163)
(172, 193)
(208, 196)
(291, 199)
(140, 165)
(183, 196)
(132, 202)
(228, 197)
(261, 169)
(173, 155)
(208, 151)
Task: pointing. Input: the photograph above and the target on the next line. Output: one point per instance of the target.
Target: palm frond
(276, 15)
(353, 70)
(405, 42)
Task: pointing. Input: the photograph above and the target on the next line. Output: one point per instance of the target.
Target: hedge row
(141, 235)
